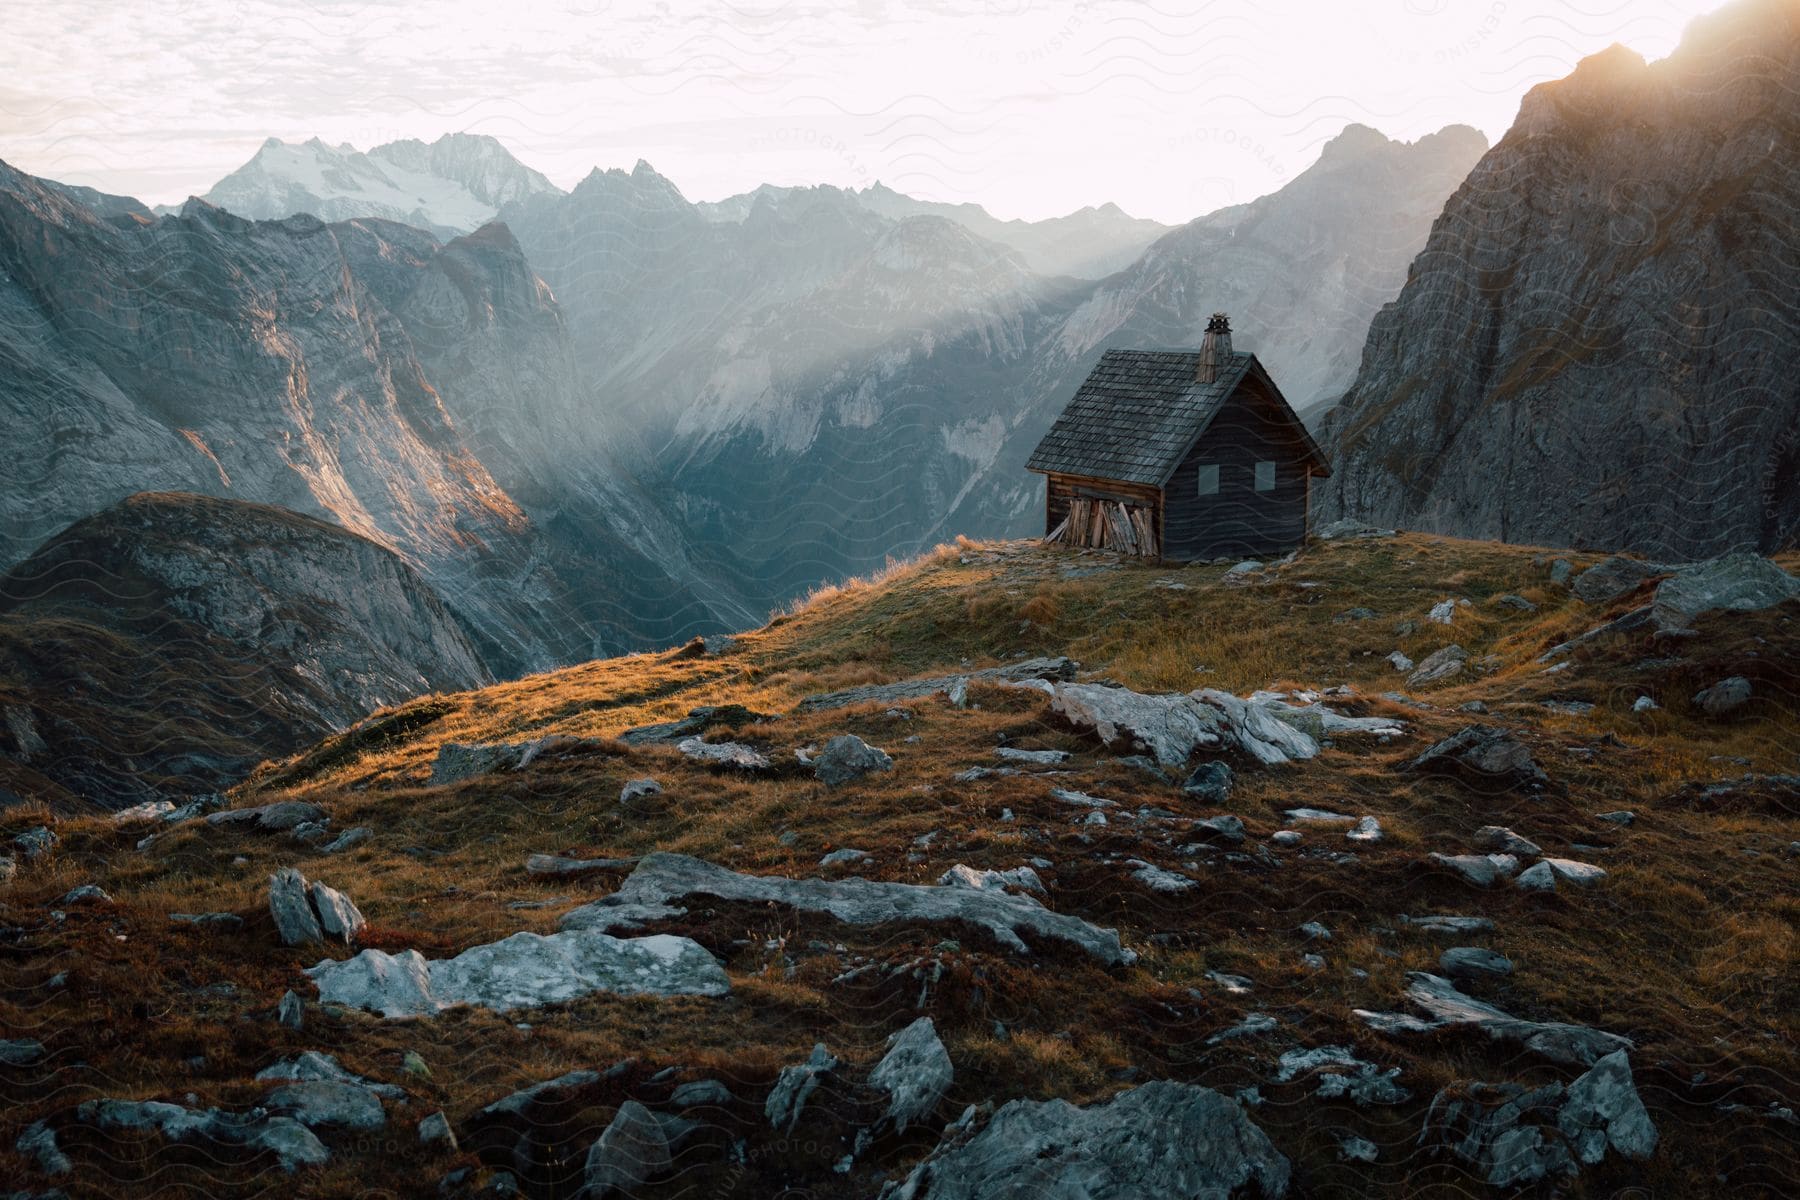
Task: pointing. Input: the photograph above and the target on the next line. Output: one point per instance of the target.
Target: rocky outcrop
(1162, 1141)
(291, 1142)
(1445, 1006)
(941, 685)
(1596, 345)
(268, 629)
(523, 970)
(311, 912)
(662, 878)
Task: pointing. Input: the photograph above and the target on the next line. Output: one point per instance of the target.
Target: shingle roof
(1139, 412)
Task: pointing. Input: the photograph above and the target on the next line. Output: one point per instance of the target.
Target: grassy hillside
(1688, 946)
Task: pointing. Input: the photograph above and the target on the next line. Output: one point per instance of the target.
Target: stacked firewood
(1107, 525)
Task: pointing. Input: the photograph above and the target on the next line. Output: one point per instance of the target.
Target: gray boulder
(292, 1143)
(1505, 841)
(636, 791)
(700, 1092)
(794, 1086)
(435, 1131)
(914, 1073)
(20, 1052)
(1210, 783)
(724, 754)
(316, 1065)
(327, 1103)
(631, 1152)
(311, 912)
(39, 1143)
(1484, 756)
(1513, 1136)
(661, 878)
(1740, 582)
(290, 1014)
(847, 757)
(1724, 697)
(1482, 870)
(1612, 577)
(1474, 962)
(1162, 1141)
(35, 842)
(521, 971)
(1446, 1006)
(1438, 666)
(1551, 873)
(1341, 1075)
(280, 817)
(1031, 758)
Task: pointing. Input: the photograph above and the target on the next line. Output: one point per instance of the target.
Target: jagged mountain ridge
(453, 185)
(1597, 346)
(310, 365)
(170, 642)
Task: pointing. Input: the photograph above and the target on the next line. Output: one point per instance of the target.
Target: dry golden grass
(1688, 947)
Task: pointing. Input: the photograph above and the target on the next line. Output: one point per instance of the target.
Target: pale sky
(1031, 108)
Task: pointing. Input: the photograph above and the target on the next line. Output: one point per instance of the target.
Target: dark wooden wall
(1239, 520)
(1059, 488)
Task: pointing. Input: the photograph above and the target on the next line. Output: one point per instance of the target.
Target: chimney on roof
(1215, 348)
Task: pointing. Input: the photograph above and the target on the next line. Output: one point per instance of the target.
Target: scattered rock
(699, 1093)
(1210, 783)
(1515, 601)
(1473, 962)
(87, 893)
(1162, 1141)
(1346, 527)
(39, 1143)
(327, 1103)
(843, 857)
(1515, 1136)
(914, 1073)
(1551, 872)
(724, 754)
(637, 790)
(1357, 1149)
(35, 842)
(1442, 613)
(292, 1143)
(1505, 841)
(794, 1086)
(1358, 613)
(347, 839)
(919, 689)
(698, 721)
(663, 877)
(290, 1013)
(280, 817)
(1560, 570)
(1157, 879)
(1644, 704)
(1619, 816)
(1724, 697)
(632, 1151)
(311, 913)
(1446, 1006)
(1252, 1025)
(20, 1052)
(1634, 620)
(1368, 829)
(1315, 931)
(847, 757)
(1018, 877)
(1224, 828)
(1612, 577)
(1400, 662)
(1318, 816)
(1036, 758)
(1081, 799)
(1485, 756)
(1286, 837)
(1440, 923)
(1438, 666)
(312, 1064)
(520, 971)
(1482, 870)
(1342, 1075)
(554, 864)
(139, 814)
(435, 1131)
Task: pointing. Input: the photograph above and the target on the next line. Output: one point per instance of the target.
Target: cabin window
(1265, 476)
(1209, 479)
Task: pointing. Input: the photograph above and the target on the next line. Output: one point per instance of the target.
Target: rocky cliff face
(356, 371)
(168, 643)
(1597, 345)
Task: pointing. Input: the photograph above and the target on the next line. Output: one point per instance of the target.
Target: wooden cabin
(1179, 454)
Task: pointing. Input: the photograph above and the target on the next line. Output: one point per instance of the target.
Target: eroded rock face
(1733, 583)
(523, 970)
(1162, 1141)
(1544, 301)
(662, 878)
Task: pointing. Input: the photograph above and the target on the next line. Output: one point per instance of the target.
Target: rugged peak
(1354, 141)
